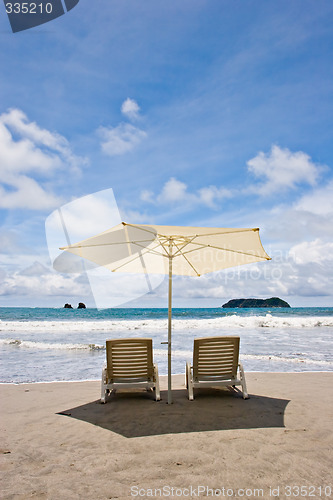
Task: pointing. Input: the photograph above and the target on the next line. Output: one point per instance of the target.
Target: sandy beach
(59, 442)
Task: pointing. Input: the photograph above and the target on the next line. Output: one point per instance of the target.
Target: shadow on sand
(137, 414)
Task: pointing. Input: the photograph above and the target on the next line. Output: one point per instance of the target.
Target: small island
(272, 302)
(81, 305)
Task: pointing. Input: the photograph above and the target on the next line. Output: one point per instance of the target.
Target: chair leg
(103, 394)
(189, 382)
(242, 378)
(103, 386)
(157, 384)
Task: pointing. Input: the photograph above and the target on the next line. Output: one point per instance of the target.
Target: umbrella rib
(163, 246)
(152, 250)
(203, 245)
(179, 250)
(183, 255)
(142, 228)
(139, 256)
(226, 232)
(104, 244)
(185, 243)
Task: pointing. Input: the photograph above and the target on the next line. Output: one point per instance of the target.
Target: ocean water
(44, 345)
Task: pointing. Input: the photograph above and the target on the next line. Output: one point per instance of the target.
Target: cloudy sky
(194, 112)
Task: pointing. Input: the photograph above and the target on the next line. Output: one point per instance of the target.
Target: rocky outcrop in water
(68, 306)
(81, 305)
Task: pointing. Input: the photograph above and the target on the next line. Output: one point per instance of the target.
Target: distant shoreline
(88, 308)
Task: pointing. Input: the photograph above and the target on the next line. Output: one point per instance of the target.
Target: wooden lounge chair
(129, 364)
(215, 363)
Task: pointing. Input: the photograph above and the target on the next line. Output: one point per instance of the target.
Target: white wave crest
(50, 346)
(114, 326)
(285, 359)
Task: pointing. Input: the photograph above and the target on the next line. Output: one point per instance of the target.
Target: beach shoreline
(175, 376)
(60, 442)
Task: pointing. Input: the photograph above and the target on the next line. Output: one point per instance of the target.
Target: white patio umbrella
(187, 251)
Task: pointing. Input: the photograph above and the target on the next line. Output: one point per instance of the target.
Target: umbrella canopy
(187, 251)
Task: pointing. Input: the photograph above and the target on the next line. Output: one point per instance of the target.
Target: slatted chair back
(215, 358)
(129, 360)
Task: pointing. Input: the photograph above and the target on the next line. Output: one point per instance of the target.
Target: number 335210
(28, 8)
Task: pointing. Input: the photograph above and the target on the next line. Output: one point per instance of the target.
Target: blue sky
(203, 113)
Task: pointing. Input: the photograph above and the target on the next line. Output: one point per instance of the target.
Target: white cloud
(210, 195)
(287, 278)
(147, 196)
(130, 109)
(176, 192)
(35, 269)
(282, 169)
(16, 120)
(9, 241)
(136, 217)
(27, 194)
(125, 136)
(308, 218)
(37, 281)
(121, 139)
(173, 191)
(32, 136)
(315, 252)
(32, 151)
(23, 156)
(319, 201)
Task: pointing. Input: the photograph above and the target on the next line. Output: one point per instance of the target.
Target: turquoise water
(39, 344)
(28, 313)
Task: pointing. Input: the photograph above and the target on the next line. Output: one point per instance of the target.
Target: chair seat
(216, 381)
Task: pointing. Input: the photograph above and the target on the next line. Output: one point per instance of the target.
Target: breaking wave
(121, 325)
(185, 354)
(28, 344)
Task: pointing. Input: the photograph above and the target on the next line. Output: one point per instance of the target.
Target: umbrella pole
(169, 324)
